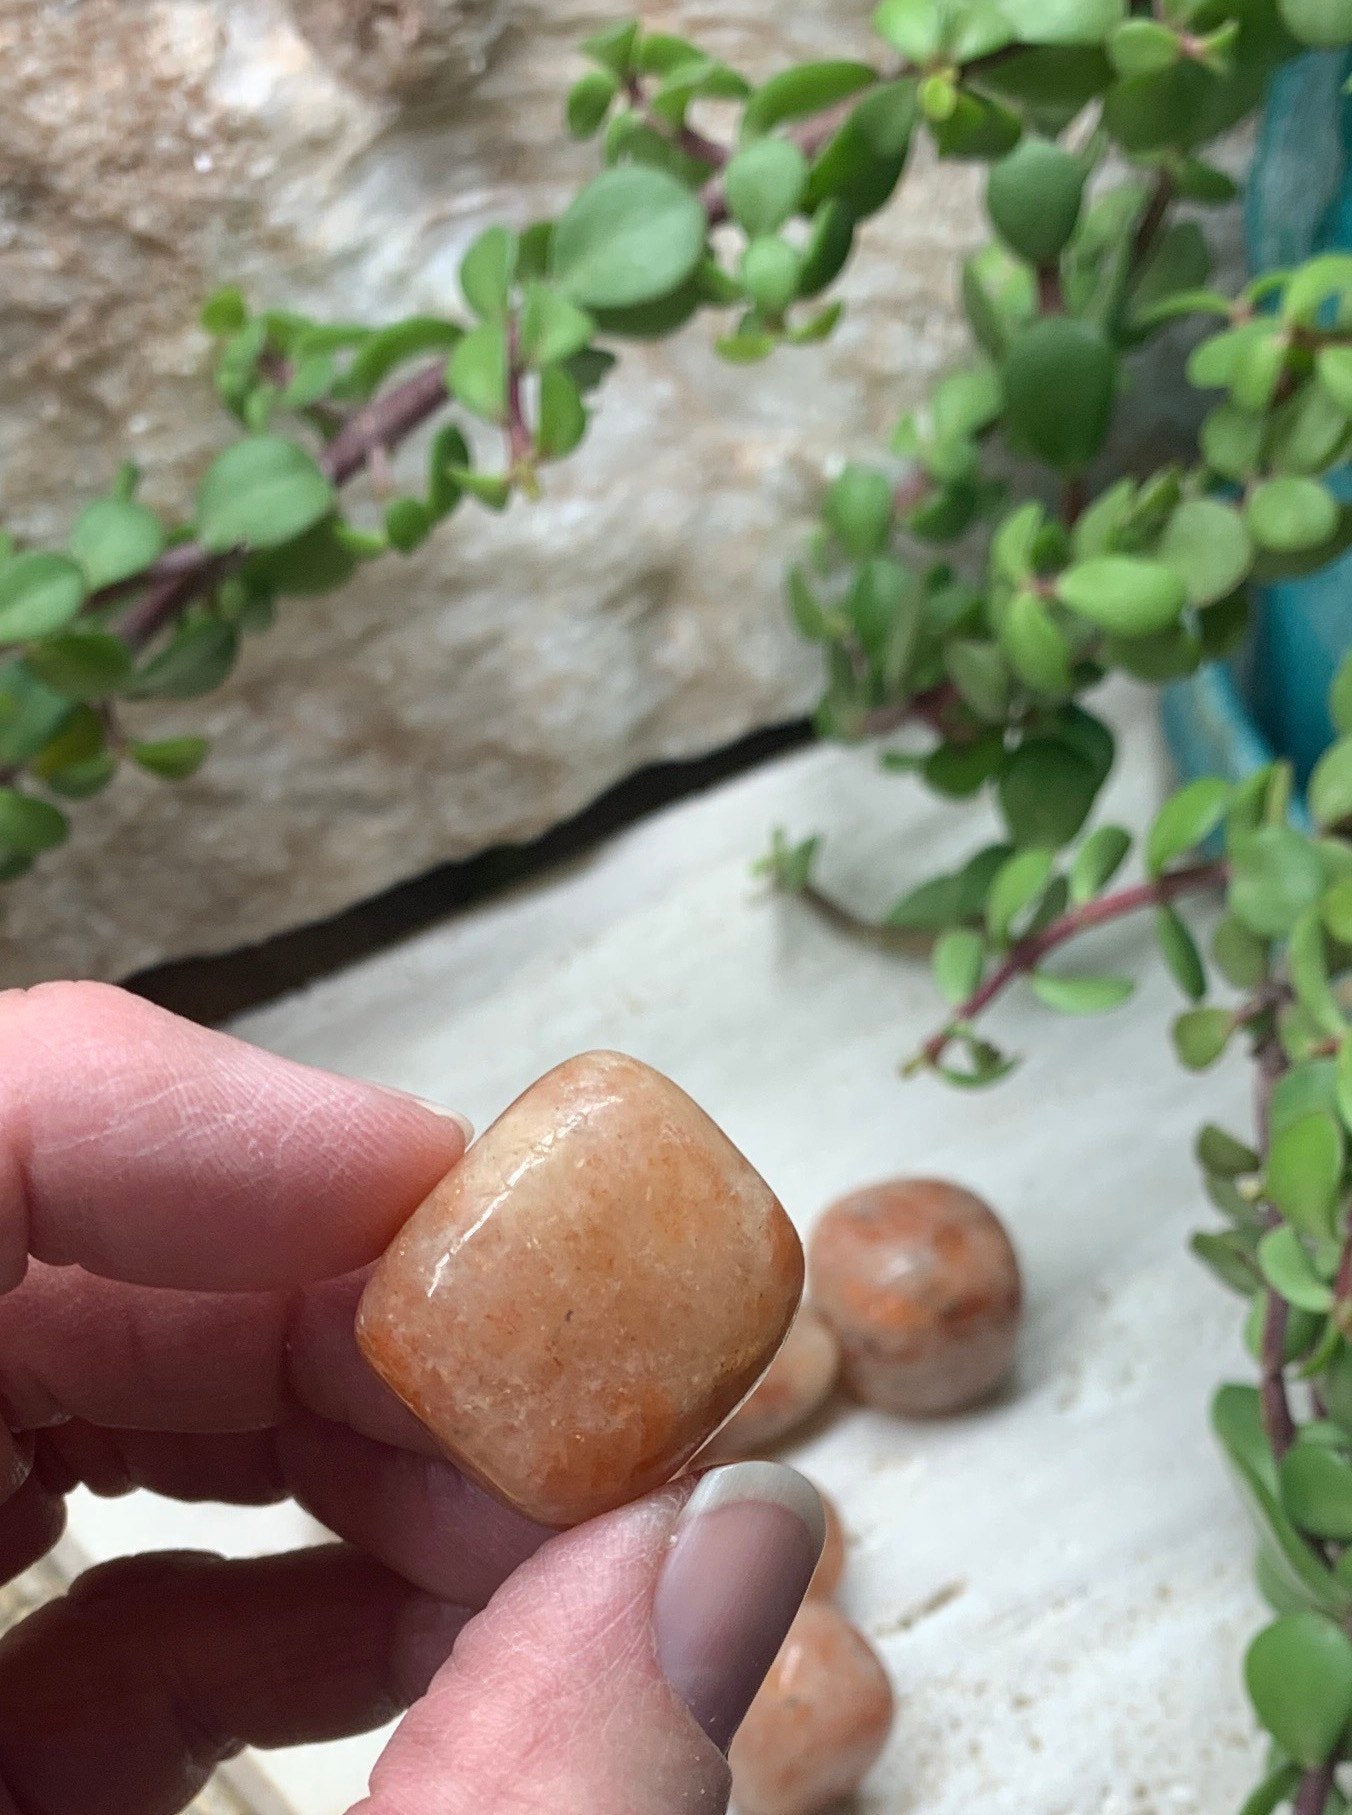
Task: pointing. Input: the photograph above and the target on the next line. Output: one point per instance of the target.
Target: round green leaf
(1288, 1269)
(1200, 1036)
(1124, 595)
(1081, 995)
(1334, 367)
(1220, 1152)
(1019, 882)
(477, 372)
(978, 671)
(1033, 198)
(38, 593)
(1232, 440)
(1330, 788)
(552, 328)
(1186, 820)
(1324, 24)
(1179, 951)
(486, 272)
(1336, 909)
(589, 102)
(806, 88)
(1037, 647)
(82, 664)
(769, 272)
(1050, 362)
(260, 493)
(29, 826)
(1208, 547)
(1289, 514)
(1046, 790)
(858, 508)
(1305, 1167)
(563, 415)
(1275, 874)
(764, 184)
(114, 538)
(1097, 861)
(914, 27)
(1317, 1490)
(957, 962)
(631, 236)
(1063, 21)
(175, 758)
(1140, 47)
(1298, 1672)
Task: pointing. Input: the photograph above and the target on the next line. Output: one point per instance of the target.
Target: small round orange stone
(819, 1722)
(585, 1297)
(921, 1284)
(797, 1383)
(831, 1563)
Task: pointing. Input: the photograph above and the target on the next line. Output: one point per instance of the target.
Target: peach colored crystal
(798, 1381)
(921, 1284)
(818, 1723)
(588, 1294)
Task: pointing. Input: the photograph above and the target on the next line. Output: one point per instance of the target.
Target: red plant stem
(518, 429)
(1313, 1794)
(1028, 953)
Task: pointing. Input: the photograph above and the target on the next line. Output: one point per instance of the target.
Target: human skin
(185, 1228)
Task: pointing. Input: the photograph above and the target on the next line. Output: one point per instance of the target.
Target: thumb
(609, 1674)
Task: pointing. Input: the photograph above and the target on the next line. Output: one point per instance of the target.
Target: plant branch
(1313, 1793)
(1029, 952)
(1153, 216)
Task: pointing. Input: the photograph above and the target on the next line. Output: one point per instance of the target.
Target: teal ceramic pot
(1272, 700)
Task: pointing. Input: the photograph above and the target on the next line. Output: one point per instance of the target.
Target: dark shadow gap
(212, 989)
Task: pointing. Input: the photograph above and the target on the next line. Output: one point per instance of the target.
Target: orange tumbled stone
(587, 1295)
(921, 1284)
(818, 1723)
(796, 1384)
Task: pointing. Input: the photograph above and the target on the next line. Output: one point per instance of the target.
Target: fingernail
(462, 1122)
(742, 1555)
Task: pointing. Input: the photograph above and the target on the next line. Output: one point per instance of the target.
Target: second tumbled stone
(588, 1294)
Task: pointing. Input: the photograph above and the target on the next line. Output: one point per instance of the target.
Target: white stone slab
(1059, 1583)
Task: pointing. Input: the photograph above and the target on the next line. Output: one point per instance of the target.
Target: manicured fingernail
(742, 1555)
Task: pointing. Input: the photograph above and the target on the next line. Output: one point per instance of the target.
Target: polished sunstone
(588, 1294)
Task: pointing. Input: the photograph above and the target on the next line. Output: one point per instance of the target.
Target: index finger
(144, 1148)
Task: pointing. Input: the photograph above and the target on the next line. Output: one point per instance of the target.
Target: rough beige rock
(338, 155)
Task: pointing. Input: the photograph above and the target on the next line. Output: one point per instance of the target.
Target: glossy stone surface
(588, 1294)
(797, 1382)
(831, 1563)
(819, 1722)
(921, 1284)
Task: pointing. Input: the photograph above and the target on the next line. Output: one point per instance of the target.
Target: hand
(182, 1224)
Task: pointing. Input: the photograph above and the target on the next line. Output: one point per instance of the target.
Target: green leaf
(1298, 1672)
(1240, 956)
(82, 664)
(769, 274)
(764, 184)
(394, 346)
(589, 102)
(1316, 1488)
(1320, 280)
(1208, 547)
(197, 659)
(1308, 962)
(978, 672)
(1230, 1257)
(1291, 513)
(486, 273)
(1340, 696)
(1179, 951)
(914, 27)
(477, 372)
(1046, 790)
(957, 961)
(613, 47)
(1308, 431)
(1336, 908)
(928, 908)
(491, 489)
(1334, 368)
(1123, 594)
(1290, 1272)
(1054, 359)
(858, 508)
(1232, 441)
(1324, 24)
(563, 416)
(859, 166)
(224, 311)
(1097, 861)
(1220, 1152)
(408, 523)
(38, 593)
(1019, 883)
(807, 88)
(113, 538)
(1186, 820)
(1200, 1036)
(1330, 785)
(1276, 874)
(1081, 995)
(1141, 47)
(29, 826)
(1039, 651)
(632, 236)
(1304, 1170)
(175, 758)
(1063, 21)
(1179, 264)
(552, 328)
(788, 866)
(960, 770)
(260, 493)
(1033, 197)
